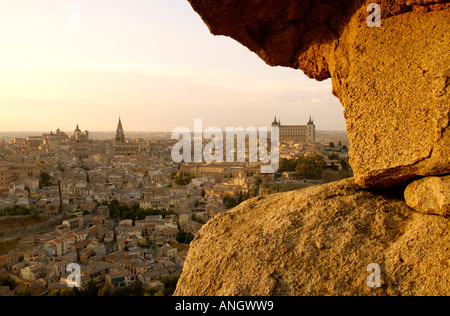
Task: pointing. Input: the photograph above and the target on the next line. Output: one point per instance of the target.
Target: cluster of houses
(79, 188)
(107, 252)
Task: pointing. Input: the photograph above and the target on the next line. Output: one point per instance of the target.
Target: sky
(154, 63)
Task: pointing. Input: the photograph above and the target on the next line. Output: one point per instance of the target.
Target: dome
(275, 123)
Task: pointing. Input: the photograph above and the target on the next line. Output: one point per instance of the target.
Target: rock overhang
(397, 125)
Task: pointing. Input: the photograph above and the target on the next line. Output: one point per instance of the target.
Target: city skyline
(154, 64)
(114, 131)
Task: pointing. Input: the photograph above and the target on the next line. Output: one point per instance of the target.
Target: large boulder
(323, 240)
(393, 80)
(430, 195)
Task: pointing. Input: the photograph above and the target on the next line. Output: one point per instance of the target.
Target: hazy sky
(153, 62)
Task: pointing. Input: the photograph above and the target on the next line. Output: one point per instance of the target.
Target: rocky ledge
(321, 241)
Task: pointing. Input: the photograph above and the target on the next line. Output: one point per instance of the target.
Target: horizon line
(112, 131)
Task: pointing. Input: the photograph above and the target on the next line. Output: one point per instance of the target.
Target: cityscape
(123, 211)
(227, 155)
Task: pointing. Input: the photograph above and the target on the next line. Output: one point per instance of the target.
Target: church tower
(120, 135)
(77, 134)
(311, 131)
(275, 123)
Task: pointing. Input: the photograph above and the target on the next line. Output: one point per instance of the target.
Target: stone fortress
(296, 133)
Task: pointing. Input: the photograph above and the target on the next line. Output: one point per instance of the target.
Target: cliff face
(394, 84)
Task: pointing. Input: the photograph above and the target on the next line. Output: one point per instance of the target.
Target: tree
(184, 238)
(44, 180)
(170, 284)
(91, 288)
(332, 145)
(333, 156)
(287, 164)
(55, 293)
(17, 210)
(45, 177)
(67, 292)
(126, 212)
(105, 290)
(136, 288)
(189, 237)
(141, 214)
(114, 209)
(240, 198)
(24, 292)
(184, 178)
(151, 292)
(310, 168)
(128, 215)
(344, 164)
(135, 207)
(121, 291)
(197, 219)
(334, 167)
(84, 167)
(8, 281)
(253, 192)
(229, 202)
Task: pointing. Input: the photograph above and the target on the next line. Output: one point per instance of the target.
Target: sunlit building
(296, 133)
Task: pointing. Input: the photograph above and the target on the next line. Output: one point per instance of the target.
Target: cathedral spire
(120, 135)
